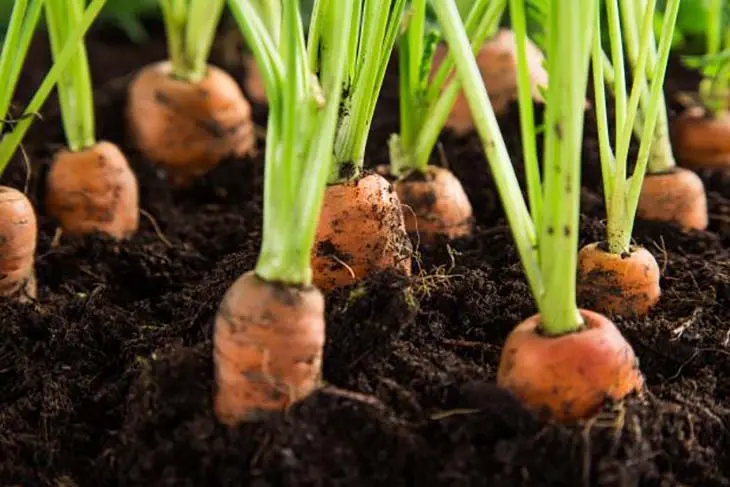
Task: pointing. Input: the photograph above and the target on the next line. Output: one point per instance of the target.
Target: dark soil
(107, 380)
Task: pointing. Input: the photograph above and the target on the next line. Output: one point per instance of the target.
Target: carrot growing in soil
(702, 132)
(90, 186)
(615, 276)
(436, 205)
(563, 361)
(669, 193)
(269, 330)
(18, 225)
(361, 230)
(184, 114)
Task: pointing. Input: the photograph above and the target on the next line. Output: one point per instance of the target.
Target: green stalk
(190, 27)
(608, 164)
(74, 88)
(301, 127)
(436, 117)
(379, 21)
(571, 40)
(486, 124)
(425, 110)
(10, 141)
(527, 116)
(7, 57)
(661, 158)
(621, 194)
(714, 26)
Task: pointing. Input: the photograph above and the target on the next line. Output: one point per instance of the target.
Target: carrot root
(701, 141)
(677, 196)
(18, 235)
(435, 205)
(188, 128)
(268, 348)
(569, 377)
(623, 285)
(361, 231)
(93, 190)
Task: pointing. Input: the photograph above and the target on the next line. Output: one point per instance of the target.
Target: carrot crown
(547, 234)
(74, 87)
(425, 100)
(303, 85)
(643, 112)
(375, 27)
(23, 22)
(190, 26)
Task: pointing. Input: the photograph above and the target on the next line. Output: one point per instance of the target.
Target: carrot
(497, 60)
(269, 330)
(268, 347)
(569, 377)
(93, 190)
(361, 231)
(188, 127)
(18, 234)
(623, 285)
(701, 140)
(676, 196)
(435, 204)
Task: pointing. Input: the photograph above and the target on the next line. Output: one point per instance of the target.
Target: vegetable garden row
(364, 242)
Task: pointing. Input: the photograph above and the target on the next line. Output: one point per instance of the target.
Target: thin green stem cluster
(74, 88)
(640, 112)
(190, 26)
(546, 239)
(23, 22)
(304, 86)
(425, 100)
(375, 28)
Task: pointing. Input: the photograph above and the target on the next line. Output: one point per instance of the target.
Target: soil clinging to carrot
(108, 381)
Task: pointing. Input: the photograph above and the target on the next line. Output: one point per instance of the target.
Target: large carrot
(185, 115)
(269, 330)
(563, 362)
(90, 187)
(361, 229)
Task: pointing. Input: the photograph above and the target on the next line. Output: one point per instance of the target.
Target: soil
(107, 379)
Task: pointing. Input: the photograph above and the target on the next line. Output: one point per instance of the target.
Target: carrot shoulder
(268, 347)
(188, 128)
(93, 190)
(569, 377)
(18, 234)
(434, 205)
(361, 231)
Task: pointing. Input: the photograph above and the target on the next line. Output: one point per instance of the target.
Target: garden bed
(108, 379)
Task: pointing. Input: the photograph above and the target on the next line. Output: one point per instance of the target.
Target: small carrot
(93, 190)
(497, 61)
(361, 231)
(623, 285)
(702, 140)
(270, 328)
(18, 234)
(186, 115)
(570, 376)
(676, 196)
(435, 205)
(188, 127)
(268, 347)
